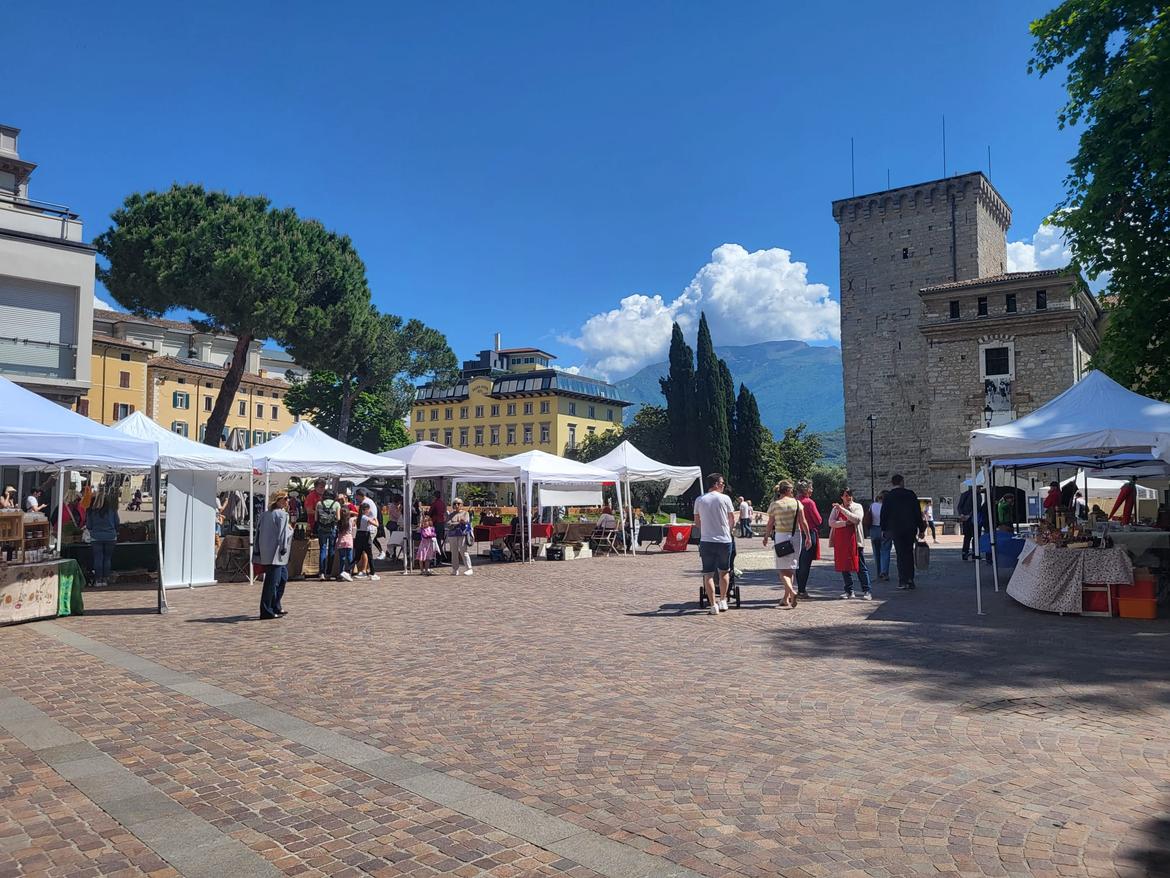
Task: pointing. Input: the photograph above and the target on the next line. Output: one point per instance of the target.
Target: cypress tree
(679, 389)
(713, 444)
(728, 384)
(749, 448)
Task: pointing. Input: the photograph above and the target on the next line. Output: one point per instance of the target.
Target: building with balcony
(46, 286)
(509, 400)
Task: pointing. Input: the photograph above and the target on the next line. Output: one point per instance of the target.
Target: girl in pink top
(345, 543)
(425, 553)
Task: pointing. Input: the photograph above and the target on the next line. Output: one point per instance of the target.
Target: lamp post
(872, 484)
(988, 413)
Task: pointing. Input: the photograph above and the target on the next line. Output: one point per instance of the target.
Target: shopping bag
(921, 556)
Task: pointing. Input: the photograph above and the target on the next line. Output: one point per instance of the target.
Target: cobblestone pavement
(903, 736)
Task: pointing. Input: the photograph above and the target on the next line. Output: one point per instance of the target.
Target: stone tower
(893, 244)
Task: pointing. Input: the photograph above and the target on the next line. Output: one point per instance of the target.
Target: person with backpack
(325, 517)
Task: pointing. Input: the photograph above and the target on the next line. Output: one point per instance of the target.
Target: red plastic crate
(1096, 601)
(1137, 608)
(1144, 588)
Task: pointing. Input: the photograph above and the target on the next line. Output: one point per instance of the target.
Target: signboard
(946, 507)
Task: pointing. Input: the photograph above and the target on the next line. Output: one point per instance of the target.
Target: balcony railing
(39, 218)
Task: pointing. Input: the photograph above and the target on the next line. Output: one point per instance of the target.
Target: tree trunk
(347, 397)
(227, 392)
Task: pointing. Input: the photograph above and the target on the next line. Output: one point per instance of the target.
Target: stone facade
(919, 367)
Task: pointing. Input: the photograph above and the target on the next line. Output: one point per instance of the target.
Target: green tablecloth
(70, 582)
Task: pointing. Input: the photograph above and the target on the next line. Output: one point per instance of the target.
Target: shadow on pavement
(227, 620)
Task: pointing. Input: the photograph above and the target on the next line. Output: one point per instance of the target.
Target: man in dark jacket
(901, 522)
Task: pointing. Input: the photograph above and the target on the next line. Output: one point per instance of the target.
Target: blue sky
(525, 167)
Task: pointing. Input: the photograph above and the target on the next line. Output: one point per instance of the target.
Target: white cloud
(98, 304)
(748, 297)
(1047, 249)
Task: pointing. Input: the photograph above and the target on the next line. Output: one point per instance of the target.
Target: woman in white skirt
(787, 532)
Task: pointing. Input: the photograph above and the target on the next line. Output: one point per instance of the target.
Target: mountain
(792, 381)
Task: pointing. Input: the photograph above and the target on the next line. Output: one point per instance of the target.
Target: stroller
(732, 586)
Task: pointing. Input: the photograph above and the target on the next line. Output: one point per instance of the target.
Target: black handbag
(783, 550)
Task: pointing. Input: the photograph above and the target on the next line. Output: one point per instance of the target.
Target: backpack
(327, 516)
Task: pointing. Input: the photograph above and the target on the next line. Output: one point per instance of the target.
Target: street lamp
(872, 485)
(988, 412)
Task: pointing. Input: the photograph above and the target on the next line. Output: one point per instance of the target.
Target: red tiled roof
(206, 370)
(99, 338)
(121, 317)
(1002, 279)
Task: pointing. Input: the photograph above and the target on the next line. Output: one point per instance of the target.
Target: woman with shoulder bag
(785, 518)
(459, 538)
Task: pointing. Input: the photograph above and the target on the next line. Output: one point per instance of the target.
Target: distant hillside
(792, 381)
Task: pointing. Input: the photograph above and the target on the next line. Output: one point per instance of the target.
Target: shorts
(716, 557)
(790, 561)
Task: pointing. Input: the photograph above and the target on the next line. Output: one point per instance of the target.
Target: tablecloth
(486, 533)
(41, 590)
(677, 537)
(1050, 578)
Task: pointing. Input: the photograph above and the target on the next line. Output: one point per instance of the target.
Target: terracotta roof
(121, 317)
(1010, 277)
(99, 338)
(206, 370)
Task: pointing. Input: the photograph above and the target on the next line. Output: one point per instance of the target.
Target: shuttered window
(38, 328)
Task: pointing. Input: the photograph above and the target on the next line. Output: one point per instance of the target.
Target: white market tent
(430, 460)
(1095, 419)
(632, 465)
(538, 468)
(192, 477)
(302, 449)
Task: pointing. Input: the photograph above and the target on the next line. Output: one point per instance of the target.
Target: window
(544, 434)
(207, 403)
(981, 306)
(462, 437)
(125, 358)
(527, 434)
(463, 413)
(273, 412)
(527, 408)
(257, 437)
(435, 434)
(592, 412)
(259, 392)
(83, 407)
(1009, 303)
(259, 411)
(479, 435)
(448, 437)
(955, 310)
(544, 407)
(495, 435)
(997, 361)
(181, 400)
(479, 414)
(572, 408)
(182, 380)
(511, 410)
(420, 415)
(418, 435)
(905, 252)
(434, 414)
(572, 435)
(609, 414)
(1041, 300)
(123, 379)
(179, 427)
(122, 410)
(202, 432)
(448, 414)
(242, 408)
(511, 434)
(496, 410)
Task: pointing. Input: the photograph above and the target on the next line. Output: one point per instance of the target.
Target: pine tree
(713, 444)
(679, 389)
(748, 454)
(728, 384)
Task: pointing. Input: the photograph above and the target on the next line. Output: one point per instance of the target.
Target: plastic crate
(1143, 588)
(1137, 608)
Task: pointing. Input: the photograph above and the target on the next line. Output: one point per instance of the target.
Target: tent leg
(156, 501)
(991, 524)
(60, 510)
(975, 524)
(407, 512)
(528, 494)
(251, 526)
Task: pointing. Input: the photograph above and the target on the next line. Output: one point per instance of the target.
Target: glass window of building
(495, 410)
(544, 406)
(609, 414)
(511, 410)
(996, 361)
(545, 434)
(122, 410)
(259, 411)
(179, 427)
(242, 408)
(125, 358)
(527, 434)
(273, 412)
(494, 435)
(572, 435)
(207, 403)
(257, 437)
(448, 436)
(981, 306)
(123, 379)
(572, 408)
(955, 312)
(527, 408)
(434, 414)
(511, 434)
(463, 413)
(592, 412)
(1009, 303)
(434, 435)
(418, 435)
(462, 437)
(479, 435)
(181, 400)
(479, 413)
(448, 414)
(1041, 300)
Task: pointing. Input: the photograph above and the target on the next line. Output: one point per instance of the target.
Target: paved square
(583, 718)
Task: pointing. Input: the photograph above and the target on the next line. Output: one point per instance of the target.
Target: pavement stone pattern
(903, 736)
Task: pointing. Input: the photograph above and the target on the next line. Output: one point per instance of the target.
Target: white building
(46, 286)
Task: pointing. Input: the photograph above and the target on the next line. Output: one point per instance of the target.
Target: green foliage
(712, 442)
(828, 483)
(1116, 211)
(376, 417)
(748, 459)
(679, 390)
(728, 386)
(793, 456)
(649, 433)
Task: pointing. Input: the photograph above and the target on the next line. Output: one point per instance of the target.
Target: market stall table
(40, 590)
(1052, 579)
(652, 534)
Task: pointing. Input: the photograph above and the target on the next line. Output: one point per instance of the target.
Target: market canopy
(1096, 417)
(304, 450)
(428, 460)
(540, 467)
(634, 466)
(39, 433)
(178, 453)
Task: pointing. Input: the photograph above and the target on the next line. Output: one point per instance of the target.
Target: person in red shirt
(1125, 499)
(813, 516)
(1052, 500)
(311, 501)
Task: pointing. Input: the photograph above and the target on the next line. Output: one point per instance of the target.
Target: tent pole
(991, 523)
(528, 494)
(633, 547)
(620, 502)
(407, 513)
(975, 524)
(155, 501)
(60, 510)
(251, 527)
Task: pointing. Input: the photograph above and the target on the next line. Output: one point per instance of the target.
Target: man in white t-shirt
(363, 538)
(745, 518)
(33, 503)
(715, 519)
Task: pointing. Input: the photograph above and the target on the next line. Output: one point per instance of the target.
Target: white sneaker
(714, 611)
(468, 572)
(374, 577)
(361, 576)
(454, 571)
(381, 556)
(847, 596)
(723, 606)
(346, 577)
(867, 597)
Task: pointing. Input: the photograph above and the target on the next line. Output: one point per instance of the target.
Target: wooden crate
(11, 528)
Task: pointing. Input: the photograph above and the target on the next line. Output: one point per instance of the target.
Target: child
(425, 553)
(344, 543)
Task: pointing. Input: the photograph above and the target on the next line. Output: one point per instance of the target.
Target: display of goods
(1137, 608)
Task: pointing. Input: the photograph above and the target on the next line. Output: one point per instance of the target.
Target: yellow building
(509, 401)
(118, 380)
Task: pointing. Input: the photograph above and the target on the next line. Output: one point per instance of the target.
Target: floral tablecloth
(1051, 578)
(41, 590)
